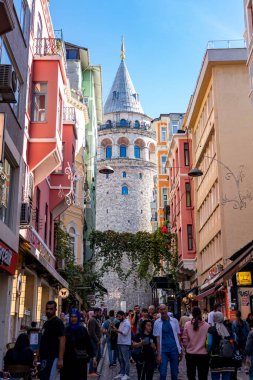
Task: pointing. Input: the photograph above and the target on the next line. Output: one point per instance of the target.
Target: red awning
(205, 294)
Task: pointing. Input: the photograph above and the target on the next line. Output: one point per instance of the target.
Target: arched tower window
(136, 124)
(109, 123)
(124, 174)
(137, 151)
(124, 190)
(123, 123)
(108, 152)
(123, 151)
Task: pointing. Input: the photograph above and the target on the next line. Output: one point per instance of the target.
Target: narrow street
(107, 373)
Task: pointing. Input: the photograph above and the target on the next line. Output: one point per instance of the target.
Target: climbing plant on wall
(145, 252)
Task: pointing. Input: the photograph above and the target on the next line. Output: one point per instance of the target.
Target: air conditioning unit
(25, 214)
(60, 265)
(8, 84)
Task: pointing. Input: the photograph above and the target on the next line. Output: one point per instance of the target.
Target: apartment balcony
(38, 256)
(51, 49)
(226, 44)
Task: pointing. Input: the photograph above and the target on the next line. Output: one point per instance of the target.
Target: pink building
(48, 180)
(182, 207)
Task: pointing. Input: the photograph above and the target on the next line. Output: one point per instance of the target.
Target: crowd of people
(71, 346)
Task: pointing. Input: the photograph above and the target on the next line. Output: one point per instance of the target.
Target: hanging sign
(64, 293)
(8, 259)
(243, 278)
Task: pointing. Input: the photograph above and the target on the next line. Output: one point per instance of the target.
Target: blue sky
(165, 41)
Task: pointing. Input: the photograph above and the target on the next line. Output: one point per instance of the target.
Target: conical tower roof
(123, 97)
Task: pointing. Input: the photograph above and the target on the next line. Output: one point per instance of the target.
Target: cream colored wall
(74, 215)
(235, 145)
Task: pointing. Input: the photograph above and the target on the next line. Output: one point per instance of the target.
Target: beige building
(221, 119)
(248, 13)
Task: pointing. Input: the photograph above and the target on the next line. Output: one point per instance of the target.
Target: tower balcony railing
(127, 124)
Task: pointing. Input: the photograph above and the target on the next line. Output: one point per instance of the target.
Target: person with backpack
(240, 330)
(221, 349)
(194, 342)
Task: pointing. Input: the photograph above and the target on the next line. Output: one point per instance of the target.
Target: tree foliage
(147, 253)
(81, 278)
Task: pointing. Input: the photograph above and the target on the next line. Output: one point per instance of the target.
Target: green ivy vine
(81, 278)
(146, 253)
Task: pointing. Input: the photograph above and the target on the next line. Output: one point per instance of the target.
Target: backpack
(226, 348)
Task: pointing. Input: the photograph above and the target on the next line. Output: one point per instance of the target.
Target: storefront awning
(207, 293)
(240, 259)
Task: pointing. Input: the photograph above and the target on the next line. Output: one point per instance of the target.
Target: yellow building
(165, 126)
(220, 118)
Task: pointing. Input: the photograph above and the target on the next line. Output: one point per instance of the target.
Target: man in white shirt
(216, 307)
(124, 343)
(166, 330)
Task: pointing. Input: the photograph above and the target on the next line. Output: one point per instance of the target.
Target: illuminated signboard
(243, 278)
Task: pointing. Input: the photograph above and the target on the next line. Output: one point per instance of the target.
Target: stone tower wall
(125, 213)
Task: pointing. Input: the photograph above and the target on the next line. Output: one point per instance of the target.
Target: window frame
(188, 198)
(124, 190)
(190, 237)
(122, 146)
(186, 154)
(6, 216)
(163, 167)
(137, 150)
(108, 156)
(163, 133)
(34, 94)
(124, 174)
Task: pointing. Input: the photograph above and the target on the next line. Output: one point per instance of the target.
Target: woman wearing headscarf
(221, 367)
(78, 349)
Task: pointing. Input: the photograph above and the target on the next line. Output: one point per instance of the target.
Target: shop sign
(243, 278)
(8, 259)
(64, 293)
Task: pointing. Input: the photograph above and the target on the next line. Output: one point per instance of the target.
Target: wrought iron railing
(142, 126)
(69, 114)
(50, 47)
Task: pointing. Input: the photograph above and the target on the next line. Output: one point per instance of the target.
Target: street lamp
(106, 170)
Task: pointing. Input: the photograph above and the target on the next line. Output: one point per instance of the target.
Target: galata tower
(123, 199)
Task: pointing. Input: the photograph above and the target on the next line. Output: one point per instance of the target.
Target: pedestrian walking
(249, 354)
(78, 349)
(151, 313)
(240, 330)
(94, 330)
(144, 317)
(20, 354)
(249, 320)
(144, 344)
(52, 344)
(166, 330)
(110, 337)
(134, 319)
(205, 315)
(222, 364)
(194, 341)
(185, 318)
(216, 307)
(124, 344)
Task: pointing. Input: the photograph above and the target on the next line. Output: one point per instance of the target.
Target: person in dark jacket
(94, 330)
(221, 367)
(240, 331)
(249, 353)
(21, 354)
(78, 344)
(146, 360)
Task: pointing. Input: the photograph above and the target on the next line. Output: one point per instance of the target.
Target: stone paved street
(109, 373)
